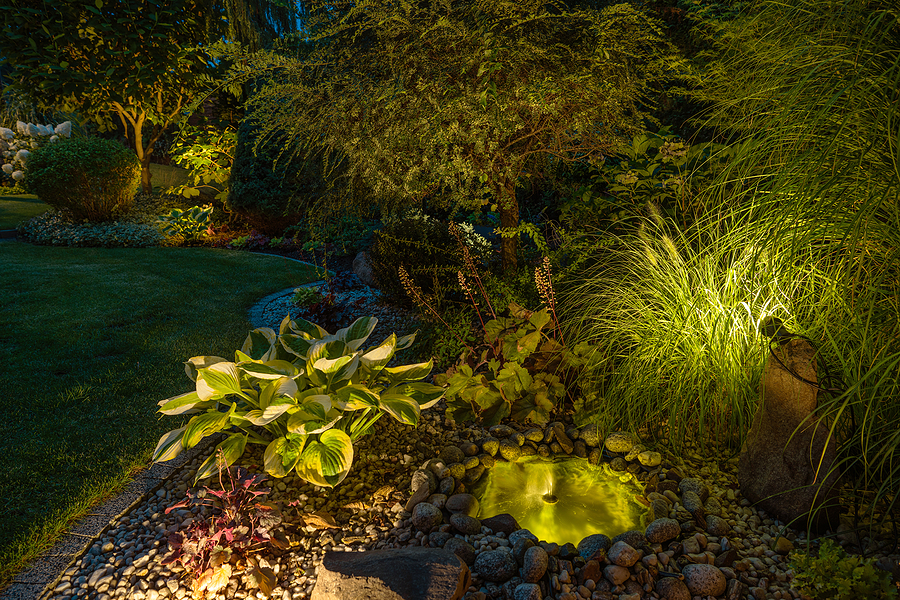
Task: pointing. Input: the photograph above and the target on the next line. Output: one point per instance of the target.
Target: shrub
(836, 576)
(93, 179)
(426, 250)
(268, 188)
(51, 229)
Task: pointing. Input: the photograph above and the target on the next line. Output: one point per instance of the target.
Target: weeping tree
(460, 96)
(812, 90)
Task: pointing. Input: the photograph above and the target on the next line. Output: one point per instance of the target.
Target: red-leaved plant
(239, 525)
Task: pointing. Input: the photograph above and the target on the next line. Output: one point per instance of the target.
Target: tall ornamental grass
(807, 227)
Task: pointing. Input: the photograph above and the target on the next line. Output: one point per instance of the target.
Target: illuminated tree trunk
(505, 193)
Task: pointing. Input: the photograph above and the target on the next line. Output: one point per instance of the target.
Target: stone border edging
(257, 311)
(44, 573)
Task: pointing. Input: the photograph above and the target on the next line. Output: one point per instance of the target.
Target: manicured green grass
(91, 340)
(15, 209)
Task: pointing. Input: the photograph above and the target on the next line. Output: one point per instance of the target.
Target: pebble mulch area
(701, 540)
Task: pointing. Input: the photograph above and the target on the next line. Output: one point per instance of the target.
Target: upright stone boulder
(789, 477)
(403, 574)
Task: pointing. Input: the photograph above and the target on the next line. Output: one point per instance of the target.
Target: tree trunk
(146, 187)
(505, 193)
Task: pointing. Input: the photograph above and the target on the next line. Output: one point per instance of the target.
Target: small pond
(561, 499)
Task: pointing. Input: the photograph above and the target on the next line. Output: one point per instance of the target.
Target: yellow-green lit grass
(15, 209)
(91, 340)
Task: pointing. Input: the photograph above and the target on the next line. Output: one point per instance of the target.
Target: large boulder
(402, 574)
(787, 476)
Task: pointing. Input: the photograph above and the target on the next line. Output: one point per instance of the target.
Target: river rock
(785, 471)
(534, 564)
(662, 530)
(496, 566)
(490, 445)
(504, 523)
(670, 588)
(649, 458)
(615, 574)
(362, 268)
(465, 524)
(590, 434)
(559, 432)
(622, 554)
(634, 538)
(704, 580)
(397, 574)
(463, 503)
(510, 450)
(463, 549)
(426, 517)
(594, 547)
(452, 454)
(620, 442)
(717, 526)
(527, 591)
(521, 533)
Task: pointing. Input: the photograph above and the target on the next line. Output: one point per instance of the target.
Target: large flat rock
(400, 574)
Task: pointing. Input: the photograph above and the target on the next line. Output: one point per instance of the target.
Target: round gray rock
(623, 555)
(527, 591)
(662, 530)
(505, 523)
(496, 566)
(510, 450)
(670, 588)
(463, 503)
(426, 517)
(490, 445)
(465, 524)
(590, 546)
(452, 454)
(704, 580)
(717, 526)
(463, 549)
(515, 536)
(591, 436)
(534, 564)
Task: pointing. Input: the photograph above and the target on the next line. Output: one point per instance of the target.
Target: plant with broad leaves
(192, 224)
(208, 154)
(240, 524)
(314, 393)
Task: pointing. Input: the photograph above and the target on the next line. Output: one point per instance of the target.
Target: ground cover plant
(19, 208)
(108, 330)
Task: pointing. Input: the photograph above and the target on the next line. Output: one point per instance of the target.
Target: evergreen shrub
(93, 179)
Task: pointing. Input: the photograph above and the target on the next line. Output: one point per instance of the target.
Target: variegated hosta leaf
(183, 404)
(296, 344)
(358, 332)
(329, 365)
(169, 445)
(310, 329)
(378, 357)
(285, 326)
(401, 407)
(272, 369)
(298, 423)
(272, 462)
(278, 389)
(425, 394)
(192, 365)
(206, 424)
(232, 448)
(259, 344)
(409, 372)
(326, 461)
(269, 414)
(406, 341)
(357, 397)
(218, 380)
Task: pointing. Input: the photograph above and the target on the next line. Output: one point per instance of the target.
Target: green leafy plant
(835, 575)
(191, 224)
(314, 394)
(92, 178)
(522, 369)
(304, 296)
(208, 154)
(239, 525)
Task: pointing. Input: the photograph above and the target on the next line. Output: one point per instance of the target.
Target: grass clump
(105, 333)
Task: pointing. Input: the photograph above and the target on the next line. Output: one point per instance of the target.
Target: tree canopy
(136, 60)
(460, 95)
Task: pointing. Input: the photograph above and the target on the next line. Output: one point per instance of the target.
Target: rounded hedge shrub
(268, 188)
(93, 179)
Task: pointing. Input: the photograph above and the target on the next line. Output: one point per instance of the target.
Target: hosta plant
(191, 225)
(305, 394)
(240, 524)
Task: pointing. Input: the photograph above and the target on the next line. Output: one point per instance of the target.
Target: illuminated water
(560, 500)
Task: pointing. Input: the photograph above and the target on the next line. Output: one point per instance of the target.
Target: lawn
(92, 339)
(15, 209)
